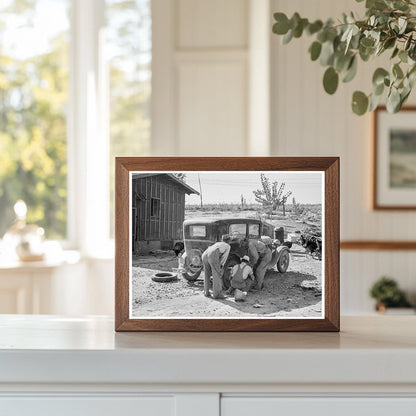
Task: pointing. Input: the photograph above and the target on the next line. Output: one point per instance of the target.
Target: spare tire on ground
(164, 277)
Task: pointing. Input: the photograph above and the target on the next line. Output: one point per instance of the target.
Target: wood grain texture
(329, 165)
(376, 205)
(378, 245)
(121, 244)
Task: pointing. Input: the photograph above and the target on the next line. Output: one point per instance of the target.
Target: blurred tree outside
(129, 51)
(33, 99)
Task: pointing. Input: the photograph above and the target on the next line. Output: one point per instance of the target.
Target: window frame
(87, 133)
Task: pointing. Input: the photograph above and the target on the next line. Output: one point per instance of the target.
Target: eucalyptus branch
(390, 25)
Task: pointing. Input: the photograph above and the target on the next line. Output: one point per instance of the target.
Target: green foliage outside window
(33, 99)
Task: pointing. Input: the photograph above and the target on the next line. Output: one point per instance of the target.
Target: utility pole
(200, 190)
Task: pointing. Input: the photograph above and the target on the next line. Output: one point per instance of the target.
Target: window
(75, 87)
(237, 230)
(155, 207)
(34, 71)
(253, 230)
(197, 231)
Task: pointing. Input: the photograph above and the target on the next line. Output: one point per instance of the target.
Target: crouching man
(242, 276)
(213, 259)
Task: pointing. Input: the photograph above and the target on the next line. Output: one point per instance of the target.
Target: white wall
(308, 122)
(212, 94)
(200, 77)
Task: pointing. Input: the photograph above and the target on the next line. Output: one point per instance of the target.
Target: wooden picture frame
(394, 184)
(326, 168)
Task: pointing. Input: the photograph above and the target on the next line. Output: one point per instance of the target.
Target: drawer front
(87, 406)
(274, 406)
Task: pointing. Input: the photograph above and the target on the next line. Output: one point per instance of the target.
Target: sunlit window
(129, 48)
(33, 103)
(36, 92)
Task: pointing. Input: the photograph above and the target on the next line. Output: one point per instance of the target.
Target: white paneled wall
(212, 103)
(204, 73)
(212, 24)
(305, 121)
(224, 86)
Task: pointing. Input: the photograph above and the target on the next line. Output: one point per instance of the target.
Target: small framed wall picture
(394, 159)
(227, 244)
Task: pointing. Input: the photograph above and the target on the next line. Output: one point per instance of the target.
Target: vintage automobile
(199, 234)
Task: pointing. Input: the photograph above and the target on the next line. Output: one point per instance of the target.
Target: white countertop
(46, 349)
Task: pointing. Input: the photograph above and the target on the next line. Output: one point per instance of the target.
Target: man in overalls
(260, 256)
(214, 258)
(242, 276)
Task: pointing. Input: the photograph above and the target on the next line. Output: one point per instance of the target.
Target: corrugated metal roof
(188, 189)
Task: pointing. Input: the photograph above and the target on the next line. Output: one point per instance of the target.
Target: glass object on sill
(25, 241)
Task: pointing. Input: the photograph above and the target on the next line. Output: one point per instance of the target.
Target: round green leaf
(397, 71)
(314, 27)
(393, 101)
(288, 37)
(350, 73)
(365, 53)
(367, 42)
(378, 90)
(403, 55)
(408, 42)
(298, 30)
(374, 102)
(395, 52)
(330, 80)
(341, 61)
(327, 54)
(389, 43)
(359, 103)
(315, 50)
(281, 27)
(379, 75)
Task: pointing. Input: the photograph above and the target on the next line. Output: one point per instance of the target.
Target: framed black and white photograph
(251, 248)
(394, 178)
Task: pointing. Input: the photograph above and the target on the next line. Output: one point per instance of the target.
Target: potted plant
(389, 27)
(387, 294)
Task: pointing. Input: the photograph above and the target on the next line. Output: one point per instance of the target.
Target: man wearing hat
(242, 276)
(214, 258)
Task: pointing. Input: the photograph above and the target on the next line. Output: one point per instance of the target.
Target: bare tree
(272, 195)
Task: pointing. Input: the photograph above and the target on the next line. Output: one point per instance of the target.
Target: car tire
(191, 277)
(283, 262)
(164, 277)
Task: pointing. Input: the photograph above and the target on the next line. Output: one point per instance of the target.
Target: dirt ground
(296, 293)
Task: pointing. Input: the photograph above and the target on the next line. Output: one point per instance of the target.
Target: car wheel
(283, 262)
(191, 277)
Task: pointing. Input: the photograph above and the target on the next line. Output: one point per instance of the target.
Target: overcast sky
(227, 187)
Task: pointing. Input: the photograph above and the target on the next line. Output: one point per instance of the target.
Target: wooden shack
(158, 210)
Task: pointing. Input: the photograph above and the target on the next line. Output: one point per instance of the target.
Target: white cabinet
(88, 406)
(80, 366)
(325, 406)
